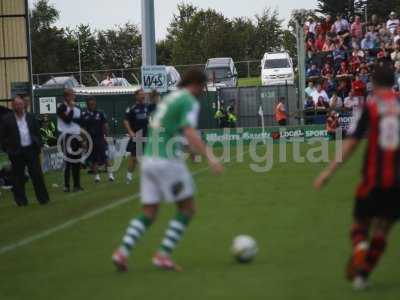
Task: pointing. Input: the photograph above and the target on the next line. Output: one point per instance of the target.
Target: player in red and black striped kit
(377, 205)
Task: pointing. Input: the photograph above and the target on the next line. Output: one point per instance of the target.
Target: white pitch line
(72, 222)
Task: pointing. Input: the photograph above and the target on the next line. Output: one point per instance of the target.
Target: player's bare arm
(129, 129)
(197, 145)
(349, 146)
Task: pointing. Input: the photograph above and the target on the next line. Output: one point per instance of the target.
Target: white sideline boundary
(72, 222)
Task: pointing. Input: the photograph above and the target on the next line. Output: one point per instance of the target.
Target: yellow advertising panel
(14, 46)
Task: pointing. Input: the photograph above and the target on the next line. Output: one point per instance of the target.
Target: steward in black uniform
(95, 123)
(136, 123)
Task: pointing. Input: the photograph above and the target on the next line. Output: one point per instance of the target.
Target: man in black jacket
(20, 136)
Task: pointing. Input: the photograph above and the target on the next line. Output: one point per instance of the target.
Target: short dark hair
(19, 96)
(193, 76)
(384, 76)
(137, 92)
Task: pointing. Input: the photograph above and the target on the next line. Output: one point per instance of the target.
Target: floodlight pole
(79, 58)
(301, 57)
(149, 56)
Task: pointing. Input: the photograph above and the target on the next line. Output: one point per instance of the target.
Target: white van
(221, 72)
(277, 69)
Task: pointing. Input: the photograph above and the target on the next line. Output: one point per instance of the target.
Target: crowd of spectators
(341, 54)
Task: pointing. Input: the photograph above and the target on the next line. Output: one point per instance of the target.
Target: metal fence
(246, 69)
(247, 102)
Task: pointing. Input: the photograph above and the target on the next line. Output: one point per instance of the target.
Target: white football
(244, 248)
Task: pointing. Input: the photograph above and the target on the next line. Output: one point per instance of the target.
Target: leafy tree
(335, 7)
(290, 42)
(300, 16)
(244, 33)
(197, 34)
(268, 33)
(164, 52)
(52, 50)
(381, 8)
(119, 48)
(88, 45)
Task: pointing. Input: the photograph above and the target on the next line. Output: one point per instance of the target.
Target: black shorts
(99, 153)
(379, 203)
(136, 149)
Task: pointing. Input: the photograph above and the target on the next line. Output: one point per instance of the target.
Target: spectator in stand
(358, 87)
(355, 63)
(369, 42)
(309, 104)
(395, 56)
(393, 22)
(330, 85)
(364, 74)
(351, 103)
(312, 25)
(308, 34)
(357, 29)
(327, 70)
(332, 124)
(374, 23)
(320, 42)
(313, 71)
(310, 89)
(384, 55)
(344, 70)
(396, 36)
(341, 26)
(329, 46)
(320, 93)
(310, 46)
(326, 24)
(336, 102)
(357, 51)
(322, 104)
(339, 55)
(346, 54)
(397, 75)
(343, 89)
(385, 36)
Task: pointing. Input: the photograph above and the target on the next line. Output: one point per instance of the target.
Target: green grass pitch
(302, 235)
(252, 81)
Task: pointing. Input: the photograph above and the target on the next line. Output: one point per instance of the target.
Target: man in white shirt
(21, 140)
(352, 103)
(393, 22)
(310, 89)
(341, 25)
(311, 24)
(320, 92)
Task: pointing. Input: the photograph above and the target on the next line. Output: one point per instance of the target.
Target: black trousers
(282, 122)
(28, 158)
(72, 156)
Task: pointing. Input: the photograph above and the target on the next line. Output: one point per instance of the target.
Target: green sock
(173, 235)
(135, 231)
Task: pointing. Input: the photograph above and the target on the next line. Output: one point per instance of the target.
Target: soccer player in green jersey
(164, 174)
